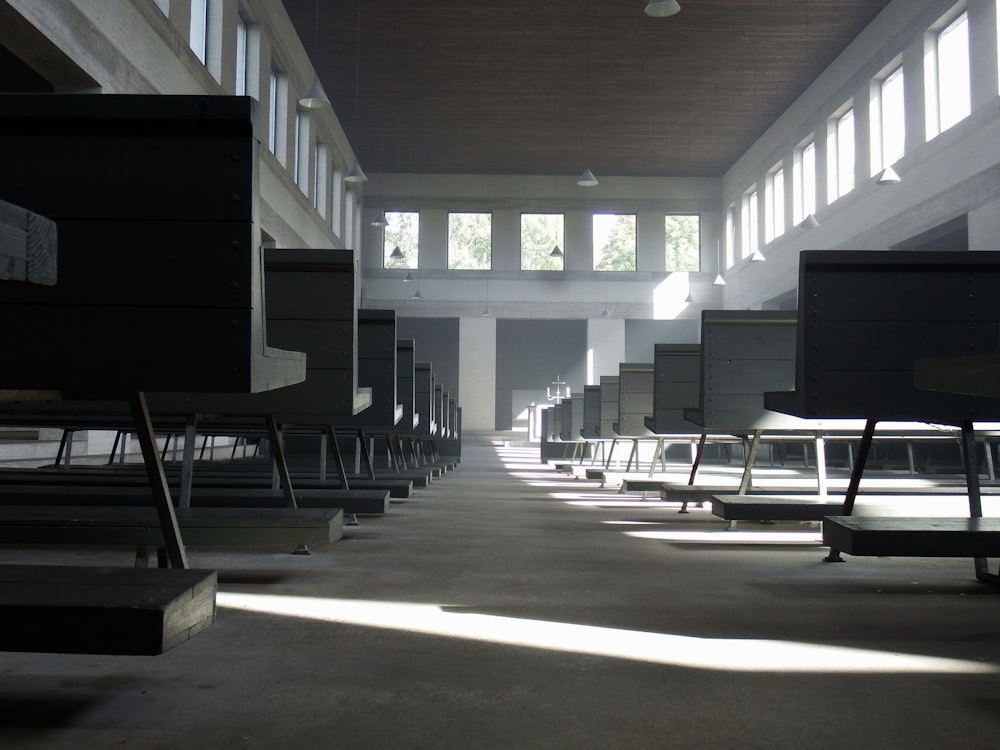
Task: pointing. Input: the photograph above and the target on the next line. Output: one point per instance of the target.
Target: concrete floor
(537, 611)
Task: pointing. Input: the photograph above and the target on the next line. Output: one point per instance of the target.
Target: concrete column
(983, 51)
(506, 241)
(650, 241)
(477, 372)
(914, 95)
(862, 136)
(433, 239)
(579, 248)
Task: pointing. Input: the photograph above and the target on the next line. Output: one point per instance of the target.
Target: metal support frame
(176, 555)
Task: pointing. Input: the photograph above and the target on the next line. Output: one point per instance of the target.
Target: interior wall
(641, 336)
(531, 353)
(436, 340)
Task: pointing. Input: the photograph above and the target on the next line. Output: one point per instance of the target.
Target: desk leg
(157, 480)
(187, 460)
(657, 455)
(975, 498)
(864, 447)
(821, 483)
(696, 461)
(747, 478)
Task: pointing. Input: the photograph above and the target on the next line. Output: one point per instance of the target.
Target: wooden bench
(978, 538)
(148, 188)
(865, 318)
(138, 526)
(103, 610)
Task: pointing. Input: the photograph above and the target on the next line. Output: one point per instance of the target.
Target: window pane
(614, 242)
(469, 241)
(953, 72)
(751, 238)
(845, 153)
(199, 28)
(775, 205)
(683, 242)
(893, 118)
(402, 230)
(540, 234)
(241, 56)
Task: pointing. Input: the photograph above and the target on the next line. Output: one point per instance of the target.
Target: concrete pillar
(433, 239)
(477, 372)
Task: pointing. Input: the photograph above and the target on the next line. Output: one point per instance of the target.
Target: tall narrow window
(751, 236)
(199, 29)
(804, 182)
(729, 249)
(541, 237)
(241, 56)
(614, 242)
(321, 180)
(349, 220)
(949, 95)
(400, 238)
(840, 147)
(277, 136)
(299, 169)
(888, 121)
(337, 203)
(683, 242)
(774, 204)
(470, 241)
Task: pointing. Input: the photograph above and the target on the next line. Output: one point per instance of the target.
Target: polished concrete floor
(508, 606)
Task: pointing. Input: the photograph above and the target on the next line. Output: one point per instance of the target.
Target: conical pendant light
(587, 179)
(380, 220)
(662, 8)
(356, 174)
(314, 97)
(888, 177)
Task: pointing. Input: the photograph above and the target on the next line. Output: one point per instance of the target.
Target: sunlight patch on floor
(724, 654)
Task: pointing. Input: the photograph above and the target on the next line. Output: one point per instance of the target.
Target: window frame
(598, 256)
(489, 259)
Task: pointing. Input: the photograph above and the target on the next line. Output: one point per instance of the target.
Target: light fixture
(689, 300)
(356, 174)
(380, 221)
(396, 253)
(417, 294)
(810, 222)
(720, 280)
(315, 97)
(409, 277)
(587, 179)
(888, 177)
(486, 312)
(606, 313)
(556, 252)
(662, 8)
(757, 256)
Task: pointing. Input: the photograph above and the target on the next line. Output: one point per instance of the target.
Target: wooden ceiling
(556, 86)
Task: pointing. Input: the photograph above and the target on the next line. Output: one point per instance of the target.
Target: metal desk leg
(854, 485)
(157, 480)
(281, 467)
(697, 457)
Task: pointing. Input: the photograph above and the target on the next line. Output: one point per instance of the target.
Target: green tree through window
(469, 241)
(683, 242)
(614, 242)
(402, 230)
(540, 233)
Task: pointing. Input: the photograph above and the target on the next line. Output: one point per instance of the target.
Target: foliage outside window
(469, 241)
(540, 235)
(402, 230)
(841, 154)
(774, 205)
(683, 242)
(614, 242)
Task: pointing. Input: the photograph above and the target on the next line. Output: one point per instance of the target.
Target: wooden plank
(913, 537)
(135, 611)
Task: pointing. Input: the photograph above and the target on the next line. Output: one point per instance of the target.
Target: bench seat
(913, 537)
(129, 525)
(103, 610)
(91, 494)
